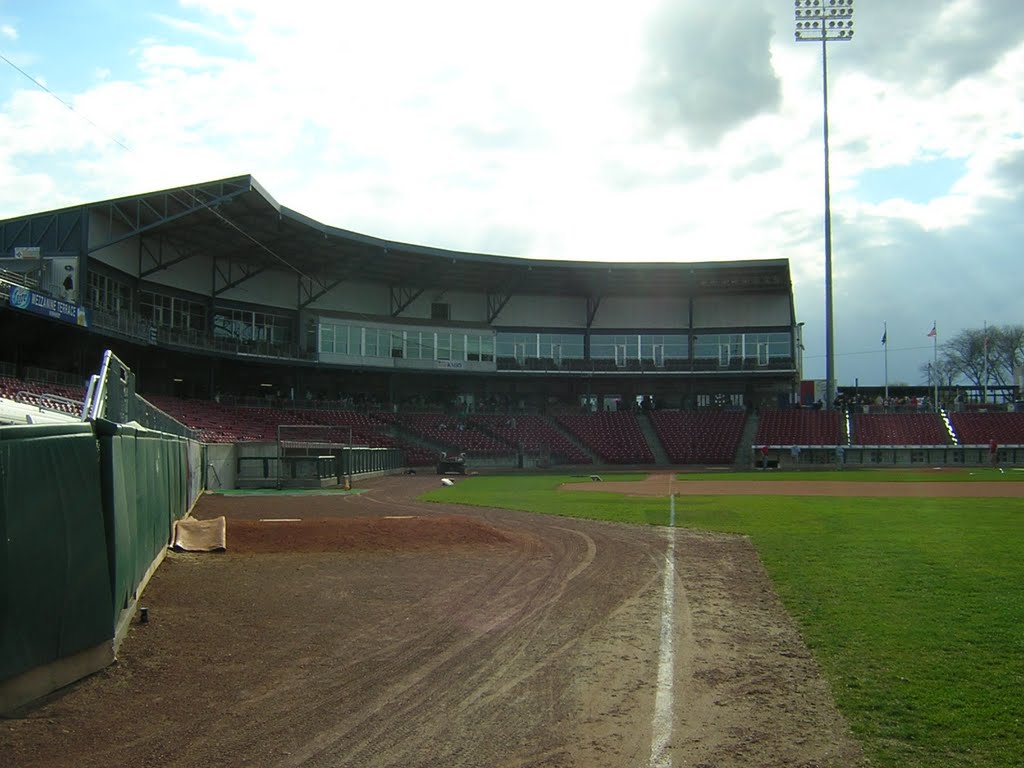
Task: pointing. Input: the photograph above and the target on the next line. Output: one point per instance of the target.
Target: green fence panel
(55, 591)
(119, 489)
(150, 503)
(144, 491)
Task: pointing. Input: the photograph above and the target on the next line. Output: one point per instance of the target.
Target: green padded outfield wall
(85, 511)
(145, 482)
(55, 591)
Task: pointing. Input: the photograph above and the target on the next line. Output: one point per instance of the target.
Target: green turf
(914, 608)
(860, 475)
(617, 477)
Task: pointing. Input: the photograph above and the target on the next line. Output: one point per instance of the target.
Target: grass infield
(913, 607)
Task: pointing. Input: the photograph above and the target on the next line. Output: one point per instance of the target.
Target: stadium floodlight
(826, 21)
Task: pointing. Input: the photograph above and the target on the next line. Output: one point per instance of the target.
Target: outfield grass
(923, 475)
(914, 608)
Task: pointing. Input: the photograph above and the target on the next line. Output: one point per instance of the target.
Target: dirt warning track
(380, 631)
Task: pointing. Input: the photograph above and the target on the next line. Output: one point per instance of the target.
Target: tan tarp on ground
(192, 535)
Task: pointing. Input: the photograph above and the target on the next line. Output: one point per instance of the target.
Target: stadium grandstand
(239, 316)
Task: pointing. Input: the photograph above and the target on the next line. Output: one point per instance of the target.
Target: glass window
(412, 345)
(372, 349)
(245, 325)
(602, 347)
(765, 347)
(108, 294)
(341, 339)
(518, 345)
(327, 338)
(714, 346)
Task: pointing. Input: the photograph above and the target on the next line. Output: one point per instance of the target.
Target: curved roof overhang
(236, 220)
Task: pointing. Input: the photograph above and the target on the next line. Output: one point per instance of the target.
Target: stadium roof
(237, 221)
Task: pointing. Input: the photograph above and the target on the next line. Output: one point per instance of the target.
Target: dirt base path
(664, 483)
(379, 631)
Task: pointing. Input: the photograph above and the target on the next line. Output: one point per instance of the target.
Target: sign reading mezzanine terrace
(47, 306)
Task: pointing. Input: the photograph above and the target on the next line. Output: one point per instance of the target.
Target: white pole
(885, 340)
(984, 379)
(935, 366)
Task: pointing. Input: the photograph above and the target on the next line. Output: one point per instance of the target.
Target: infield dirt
(381, 631)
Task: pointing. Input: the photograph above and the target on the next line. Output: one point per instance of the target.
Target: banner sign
(457, 365)
(47, 306)
(64, 276)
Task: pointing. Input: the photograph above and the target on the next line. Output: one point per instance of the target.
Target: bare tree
(982, 357)
(1006, 351)
(963, 356)
(942, 372)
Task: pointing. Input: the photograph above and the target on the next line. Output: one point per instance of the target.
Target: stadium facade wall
(86, 513)
(221, 466)
(753, 310)
(357, 296)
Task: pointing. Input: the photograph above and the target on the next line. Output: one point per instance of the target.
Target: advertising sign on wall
(47, 306)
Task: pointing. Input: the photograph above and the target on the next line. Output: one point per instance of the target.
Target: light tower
(825, 21)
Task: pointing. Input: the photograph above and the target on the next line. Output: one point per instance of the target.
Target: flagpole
(984, 380)
(885, 340)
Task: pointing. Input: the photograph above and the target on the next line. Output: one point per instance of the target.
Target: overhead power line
(125, 147)
(66, 104)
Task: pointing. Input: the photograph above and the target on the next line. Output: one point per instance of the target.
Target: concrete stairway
(660, 457)
(744, 454)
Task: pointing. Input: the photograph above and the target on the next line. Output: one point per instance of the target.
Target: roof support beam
(52, 233)
(312, 288)
(402, 296)
(146, 212)
(181, 253)
(495, 303)
(228, 274)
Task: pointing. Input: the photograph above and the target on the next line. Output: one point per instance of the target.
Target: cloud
(1009, 173)
(8, 32)
(934, 45)
(192, 28)
(709, 68)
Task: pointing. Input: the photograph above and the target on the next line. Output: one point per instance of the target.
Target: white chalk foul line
(662, 730)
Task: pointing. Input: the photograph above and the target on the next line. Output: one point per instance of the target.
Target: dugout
(315, 464)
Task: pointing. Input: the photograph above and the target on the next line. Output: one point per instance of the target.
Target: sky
(655, 130)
